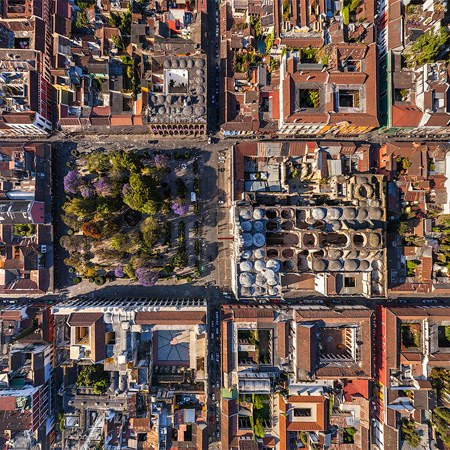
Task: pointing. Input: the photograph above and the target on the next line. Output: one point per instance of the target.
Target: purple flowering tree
(72, 182)
(179, 207)
(103, 187)
(146, 277)
(161, 162)
(118, 271)
(86, 191)
(125, 189)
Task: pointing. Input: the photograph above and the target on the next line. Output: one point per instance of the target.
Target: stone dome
(334, 213)
(258, 213)
(319, 265)
(246, 225)
(362, 213)
(351, 265)
(260, 279)
(260, 265)
(273, 264)
(247, 291)
(248, 240)
(260, 253)
(247, 279)
(246, 266)
(375, 213)
(349, 213)
(319, 213)
(335, 265)
(364, 265)
(245, 214)
(259, 240)
(258, 226)
(374, 240)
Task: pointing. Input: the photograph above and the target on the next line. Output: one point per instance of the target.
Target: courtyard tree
(150, 231)
(104, 187)
(94, 376)
(426, 48)
(92, 229)
(146, 277)
(179, 207)
(409, 433)
(142, 195)
(118, 271)
(72, 182)
(81, 207)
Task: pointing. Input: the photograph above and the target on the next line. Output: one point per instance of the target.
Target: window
(349, 98)
(302, 412)
(349, 282)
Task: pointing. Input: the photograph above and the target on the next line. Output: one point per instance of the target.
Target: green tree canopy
(150, 231)
(426, 48)
(81, 207)
(94, 376)
(142, 194)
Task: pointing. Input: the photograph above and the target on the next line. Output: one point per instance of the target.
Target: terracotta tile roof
(357, 119)
(7, 403)
(310, 77)
(80, 319)
(438, 120)
(405, 116)
(347, 78)
(18, 118)
(247, 444)
(101, 111)
(99, 121)
(69, 122)
(275, 95)
(411, 356)
(253, 313)
(321, 413)
(419, 312)
(425, 384)
(306, 350)
(170, 317)
(314, 118)
(124, 120)
(356, 388)
(137, 120)
(10, 314)
(426, 268)
(303, 42)
(283, 339)
(269, 441)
